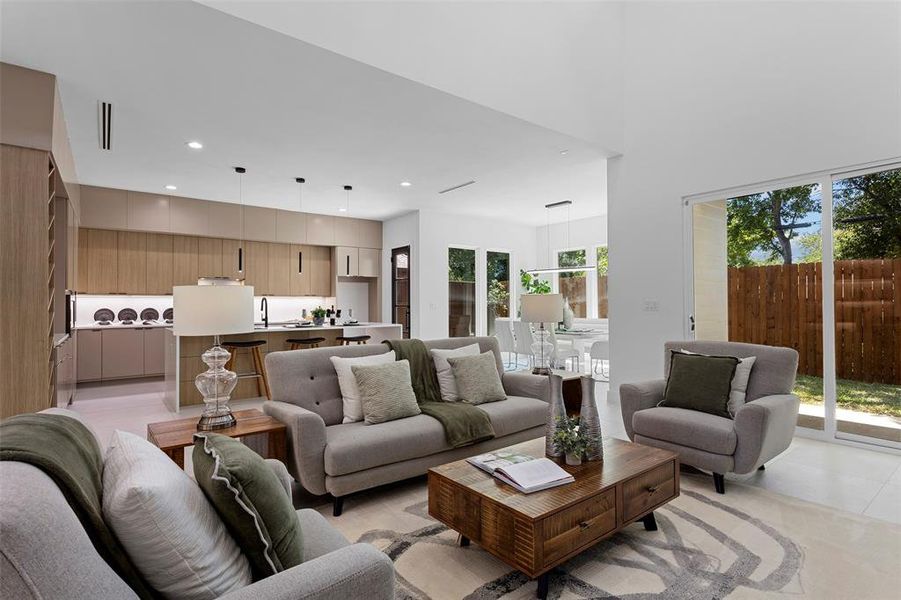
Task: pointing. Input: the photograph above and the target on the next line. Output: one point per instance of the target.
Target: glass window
(498, 282)
(602, 281)
(461, 292)
(574, 284)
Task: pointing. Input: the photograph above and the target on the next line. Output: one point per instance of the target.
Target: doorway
(400, 288)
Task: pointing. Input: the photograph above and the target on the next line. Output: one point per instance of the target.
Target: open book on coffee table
(524, 472)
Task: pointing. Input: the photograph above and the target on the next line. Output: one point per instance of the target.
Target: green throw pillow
(386, 391)
(477, 378)
(699, 382)
(251, 501)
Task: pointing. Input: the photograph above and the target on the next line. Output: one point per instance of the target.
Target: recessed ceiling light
(171, 187)
(194, 145)
(564, 152)
(342, 209)
(405, 184)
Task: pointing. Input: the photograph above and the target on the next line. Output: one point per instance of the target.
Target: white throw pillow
(739, 388)
(446, 380)
(350, 393)
(171, 532)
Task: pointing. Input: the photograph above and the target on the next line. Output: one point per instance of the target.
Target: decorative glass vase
(573, 460)
(590, 421)
(555, 411)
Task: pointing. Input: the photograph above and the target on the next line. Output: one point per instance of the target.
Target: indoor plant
(569, 438)
(318, 315)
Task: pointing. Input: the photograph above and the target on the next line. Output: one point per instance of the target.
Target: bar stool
(311, 342)
(347, 340)
(258, 370)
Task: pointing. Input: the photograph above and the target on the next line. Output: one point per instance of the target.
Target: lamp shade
(542, 308)
(212, 309)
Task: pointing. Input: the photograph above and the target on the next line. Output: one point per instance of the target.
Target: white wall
(725, 94)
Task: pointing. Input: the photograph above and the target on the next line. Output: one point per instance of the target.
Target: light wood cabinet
(154, 351)
(105, 208)
(321, 230)
(259, 223)
(299, 271)
(209, 257)
(160, 263)
(321, 280)
(122, 352)
(224, 220)
(347, 261)
(279, 269)
(101, 264)
(89, 356)
(369, 262)
(184, 260)
(188, 216)
(148, 212)
(369, 234)
(131, 263)
(291, 227)
(346, 232)
(234, 261)
(256, 267)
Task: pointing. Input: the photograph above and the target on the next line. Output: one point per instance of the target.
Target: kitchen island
(183, 362)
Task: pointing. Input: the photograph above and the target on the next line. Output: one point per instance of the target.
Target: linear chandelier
(553, 270)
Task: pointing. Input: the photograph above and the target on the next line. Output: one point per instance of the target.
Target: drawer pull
(583, 525)
(652, 489)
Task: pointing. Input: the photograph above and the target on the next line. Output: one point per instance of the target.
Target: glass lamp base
(216, 384)
(216, 421)
(542, 349)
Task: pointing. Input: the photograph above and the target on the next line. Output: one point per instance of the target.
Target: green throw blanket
(464, 424)
(67, 452)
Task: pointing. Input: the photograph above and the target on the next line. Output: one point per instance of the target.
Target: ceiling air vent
(456, 187)
(105, 121)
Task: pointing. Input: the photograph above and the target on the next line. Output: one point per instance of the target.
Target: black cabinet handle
(240, 259)
(348, 263)
(299, 261)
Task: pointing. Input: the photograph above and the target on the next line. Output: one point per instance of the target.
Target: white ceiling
(177, 71)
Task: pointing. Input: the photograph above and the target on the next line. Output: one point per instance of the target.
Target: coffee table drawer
(648, 490)
(577, 526)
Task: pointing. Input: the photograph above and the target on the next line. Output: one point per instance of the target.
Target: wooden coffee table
(536, 532)
(172, 437)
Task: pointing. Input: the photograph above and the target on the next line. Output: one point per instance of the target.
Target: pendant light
(347, 190)
(301, 181)
(550, 269)
(240, 171)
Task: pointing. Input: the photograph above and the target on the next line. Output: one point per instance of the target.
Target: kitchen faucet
(264, 309)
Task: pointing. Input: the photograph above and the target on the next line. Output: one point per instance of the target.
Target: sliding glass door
(814, 265)
(461, 309)
(497, 277)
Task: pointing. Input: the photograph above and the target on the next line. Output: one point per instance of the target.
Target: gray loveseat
(46, 553)
(762, 428)
(327, 456)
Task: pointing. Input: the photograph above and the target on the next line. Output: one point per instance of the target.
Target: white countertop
(116, 325)
(293, 328)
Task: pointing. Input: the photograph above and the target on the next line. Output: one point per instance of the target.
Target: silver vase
(555, 411)
(590, 421)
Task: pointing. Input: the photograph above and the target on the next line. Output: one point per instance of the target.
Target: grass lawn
(877, 398)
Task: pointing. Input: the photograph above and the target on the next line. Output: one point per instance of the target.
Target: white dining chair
(522, 340)
(564, 352)
(600, 353)
(505, 342)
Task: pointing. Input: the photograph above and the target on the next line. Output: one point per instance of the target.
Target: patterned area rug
(749, 543)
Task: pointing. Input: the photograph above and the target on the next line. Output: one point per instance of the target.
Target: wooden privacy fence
(782, 305)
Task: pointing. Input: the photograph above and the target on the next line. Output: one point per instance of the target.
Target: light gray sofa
(327, 456)
(762, 428)
(45, 553)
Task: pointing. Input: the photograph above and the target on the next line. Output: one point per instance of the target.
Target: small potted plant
(318, 315)
(570, 440)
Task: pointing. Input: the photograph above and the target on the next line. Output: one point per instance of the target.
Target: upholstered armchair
(762, 428)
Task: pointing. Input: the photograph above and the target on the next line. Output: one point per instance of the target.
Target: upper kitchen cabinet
(347, 261)
(346, 231)
(234, 259)
(98, 251)
(104, 208)
(188, 216)
(369, 262)
(256, 266)
(259, 223)
(209, 257)
(369, 234)
(291, 227)
(148, 212)
(160, 263)
(131, 261)
(224, 220)
(185, 263)
(321, 230)
(299, 274)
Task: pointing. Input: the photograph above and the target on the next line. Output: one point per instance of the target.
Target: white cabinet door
(348, 261)
(369, 262)
(123, 353)
(89, 354)
(154, 351)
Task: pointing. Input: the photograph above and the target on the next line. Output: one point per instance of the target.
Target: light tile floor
(853, 479)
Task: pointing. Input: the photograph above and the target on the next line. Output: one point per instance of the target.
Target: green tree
(532, 284)
(571, 258)
(867, 216)
(461, 265)
(603, 261)
(811, 246)
(768, 223)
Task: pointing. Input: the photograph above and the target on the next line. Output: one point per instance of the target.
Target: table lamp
(541, 309)
(213, 309)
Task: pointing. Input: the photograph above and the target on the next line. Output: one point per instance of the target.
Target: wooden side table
(172, 437)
